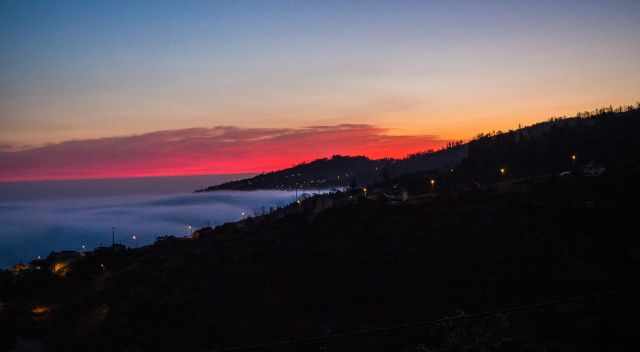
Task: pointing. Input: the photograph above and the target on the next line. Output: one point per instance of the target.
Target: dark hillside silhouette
(602, 137)
(346, 171)
(337, 171)
(605, 136)
(478, 259)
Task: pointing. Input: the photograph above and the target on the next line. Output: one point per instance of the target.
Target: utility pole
(113, 237)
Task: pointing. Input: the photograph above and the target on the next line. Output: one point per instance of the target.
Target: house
(592, 169)
(19, 267)
(60, 262)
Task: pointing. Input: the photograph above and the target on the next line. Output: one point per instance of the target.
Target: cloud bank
(217, 150)
(37, 227)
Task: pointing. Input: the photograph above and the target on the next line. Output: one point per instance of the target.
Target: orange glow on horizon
(205, 152)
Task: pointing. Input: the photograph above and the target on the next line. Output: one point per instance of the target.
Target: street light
(503, 171)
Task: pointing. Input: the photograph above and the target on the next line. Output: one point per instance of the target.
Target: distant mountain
(346, 171)
(605, 136)
(338, 171)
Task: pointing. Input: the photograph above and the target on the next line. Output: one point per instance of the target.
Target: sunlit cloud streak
(216, 150)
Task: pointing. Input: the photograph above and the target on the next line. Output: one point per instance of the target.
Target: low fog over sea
(39, 217)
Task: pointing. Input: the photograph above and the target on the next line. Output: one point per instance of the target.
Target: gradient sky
(404, 75)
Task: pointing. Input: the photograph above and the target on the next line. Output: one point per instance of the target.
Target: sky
(136, 88)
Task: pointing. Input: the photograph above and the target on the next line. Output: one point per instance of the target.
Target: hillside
(544, 148)
(338, 171)
(520, 260)
(345, 171)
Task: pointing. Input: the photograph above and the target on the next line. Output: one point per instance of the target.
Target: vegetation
(551, 258)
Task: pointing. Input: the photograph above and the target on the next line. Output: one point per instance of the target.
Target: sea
(39, 217)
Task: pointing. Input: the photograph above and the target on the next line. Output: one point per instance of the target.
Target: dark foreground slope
(360, 265)
(552, 259)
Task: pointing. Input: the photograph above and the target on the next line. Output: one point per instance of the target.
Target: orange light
(40, 310)
(59, 268)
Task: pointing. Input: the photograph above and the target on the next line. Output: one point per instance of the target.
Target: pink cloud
(217, 150)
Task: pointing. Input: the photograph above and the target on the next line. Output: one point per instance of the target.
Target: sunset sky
(139, 88)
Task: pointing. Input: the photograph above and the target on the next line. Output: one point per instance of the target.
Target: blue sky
(76, 70)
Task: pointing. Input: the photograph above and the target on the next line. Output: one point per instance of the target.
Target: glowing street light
(503, 171)
(432, 183)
